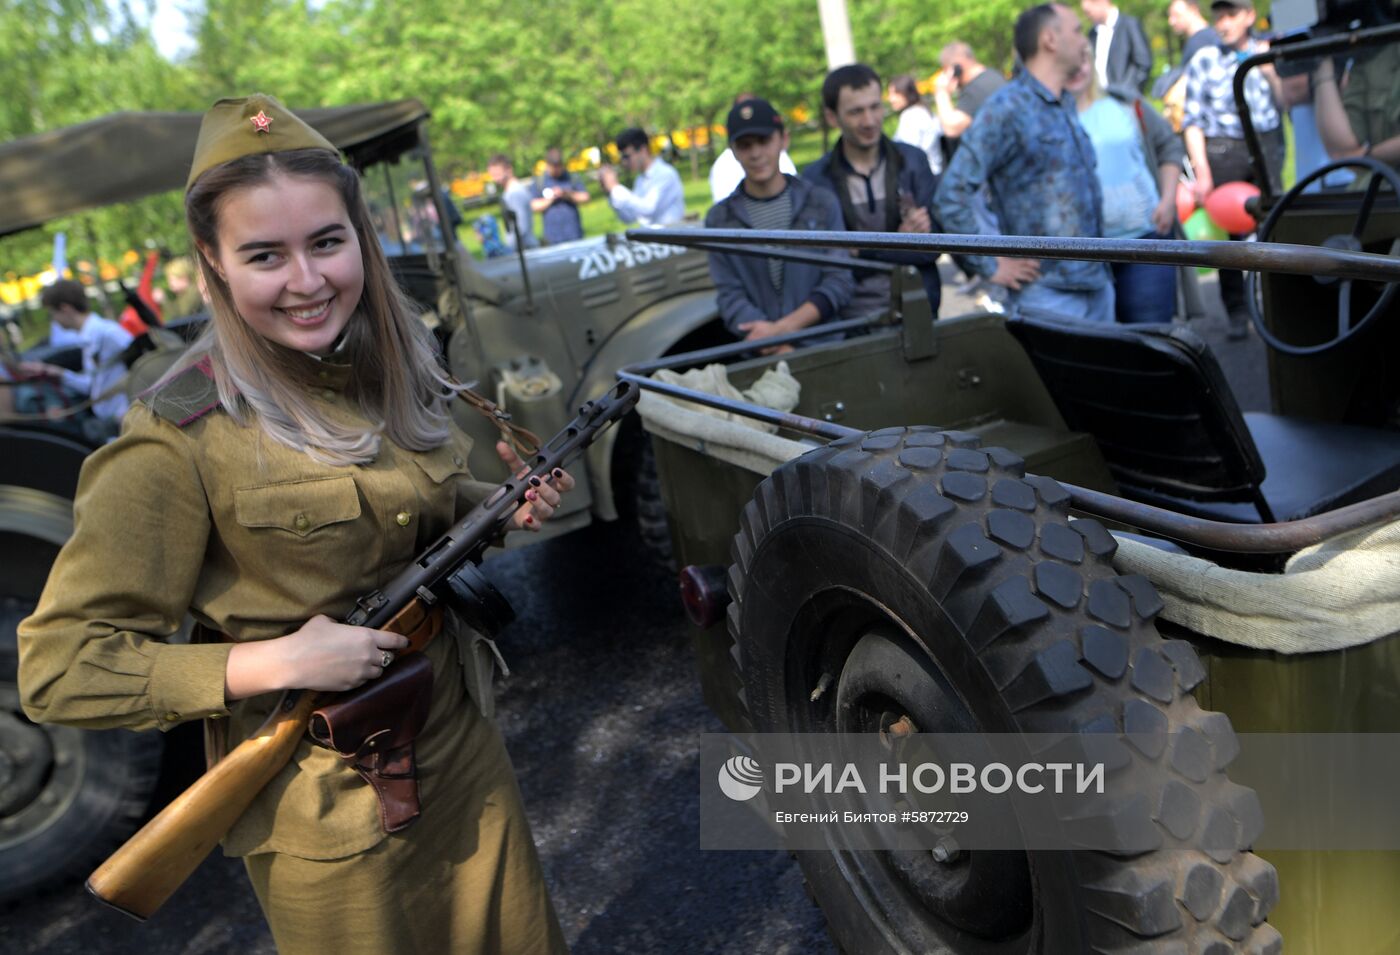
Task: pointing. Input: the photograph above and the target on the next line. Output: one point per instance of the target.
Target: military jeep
(925, 542)
(538, 334)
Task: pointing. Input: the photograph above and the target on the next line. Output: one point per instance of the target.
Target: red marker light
(704, 594)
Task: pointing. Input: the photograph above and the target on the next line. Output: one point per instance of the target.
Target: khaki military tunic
(189, 511)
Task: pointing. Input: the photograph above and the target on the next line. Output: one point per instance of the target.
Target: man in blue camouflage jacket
(1027, 145)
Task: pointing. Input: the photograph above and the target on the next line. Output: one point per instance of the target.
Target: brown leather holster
(373, 726)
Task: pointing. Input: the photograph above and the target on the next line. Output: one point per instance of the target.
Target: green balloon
(1201, 227)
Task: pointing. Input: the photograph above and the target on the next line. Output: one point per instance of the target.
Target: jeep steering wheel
(1347, 242)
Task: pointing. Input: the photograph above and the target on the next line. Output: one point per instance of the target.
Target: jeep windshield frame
(1300, 51)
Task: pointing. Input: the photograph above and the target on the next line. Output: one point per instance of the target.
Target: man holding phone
(882, 185)
(556, 197)
(960, 76)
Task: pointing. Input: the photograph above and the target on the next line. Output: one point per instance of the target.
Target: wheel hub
(25, 758)
(888, 686)
(40, 770)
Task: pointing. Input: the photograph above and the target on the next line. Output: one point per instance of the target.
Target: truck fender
(644, 337)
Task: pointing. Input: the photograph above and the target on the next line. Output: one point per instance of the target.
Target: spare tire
(909, 570)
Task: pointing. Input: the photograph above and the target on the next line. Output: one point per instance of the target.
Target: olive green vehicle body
(981, 381)
(967, 373)
(592, 307)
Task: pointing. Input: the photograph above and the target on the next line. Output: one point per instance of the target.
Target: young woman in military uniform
(300, 456)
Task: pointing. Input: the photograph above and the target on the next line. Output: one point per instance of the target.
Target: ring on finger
(386, 658)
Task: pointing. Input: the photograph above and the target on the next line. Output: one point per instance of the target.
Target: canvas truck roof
(127, 156)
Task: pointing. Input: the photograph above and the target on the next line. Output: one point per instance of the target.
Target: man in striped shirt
(760, 298)
(1211, 125)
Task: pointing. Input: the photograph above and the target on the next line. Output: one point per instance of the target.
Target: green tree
(66, 61)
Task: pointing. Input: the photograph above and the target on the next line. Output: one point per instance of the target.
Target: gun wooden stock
(151, 865)
(143, 873)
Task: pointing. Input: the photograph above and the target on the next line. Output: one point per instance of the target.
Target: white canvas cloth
(1343, 592)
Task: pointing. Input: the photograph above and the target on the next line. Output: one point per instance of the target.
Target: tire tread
(1074, 648)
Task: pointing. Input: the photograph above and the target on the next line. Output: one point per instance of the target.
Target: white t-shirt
(103, 341)
(1103, 39)
(727, 173)
(921, 129)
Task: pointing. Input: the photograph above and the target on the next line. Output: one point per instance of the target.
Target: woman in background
(917, 126)
(1139, 163)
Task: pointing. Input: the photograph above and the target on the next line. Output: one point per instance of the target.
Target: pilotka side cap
(233, 128)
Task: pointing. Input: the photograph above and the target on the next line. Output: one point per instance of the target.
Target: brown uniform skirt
(463, 878)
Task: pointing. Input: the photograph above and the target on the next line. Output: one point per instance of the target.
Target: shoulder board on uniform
(187, 397)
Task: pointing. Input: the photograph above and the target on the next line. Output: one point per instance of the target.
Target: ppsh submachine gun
(151, 865)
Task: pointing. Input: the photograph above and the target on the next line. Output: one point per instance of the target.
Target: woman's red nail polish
(529, 519)
(530, 495)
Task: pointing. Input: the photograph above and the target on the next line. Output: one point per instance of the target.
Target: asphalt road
(603, 718)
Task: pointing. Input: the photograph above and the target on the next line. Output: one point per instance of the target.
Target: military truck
(924, 544)
(538, 334)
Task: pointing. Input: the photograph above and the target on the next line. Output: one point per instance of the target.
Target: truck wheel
(68, 797)
(915, 575)
(638, 493)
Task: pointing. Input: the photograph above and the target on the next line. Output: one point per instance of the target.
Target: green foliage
(65, 61)
(499, 76)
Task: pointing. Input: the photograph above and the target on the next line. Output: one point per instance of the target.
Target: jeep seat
(1154, 399)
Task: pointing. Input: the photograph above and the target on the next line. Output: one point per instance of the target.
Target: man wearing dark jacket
(760, 298)
(1122, 56)
(882, 185)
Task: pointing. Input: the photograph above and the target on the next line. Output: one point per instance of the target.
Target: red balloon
(1225, 206)
(1185, 201)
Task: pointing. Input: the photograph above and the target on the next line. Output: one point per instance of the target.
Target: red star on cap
(261, 122)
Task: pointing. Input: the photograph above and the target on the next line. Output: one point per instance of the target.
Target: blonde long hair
(1092, 92)
(397, 383)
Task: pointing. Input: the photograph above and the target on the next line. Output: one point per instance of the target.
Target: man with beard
(881, 185)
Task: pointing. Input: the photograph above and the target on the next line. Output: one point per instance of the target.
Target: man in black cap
(761, 298)
(882, 185)
(1212, 129)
